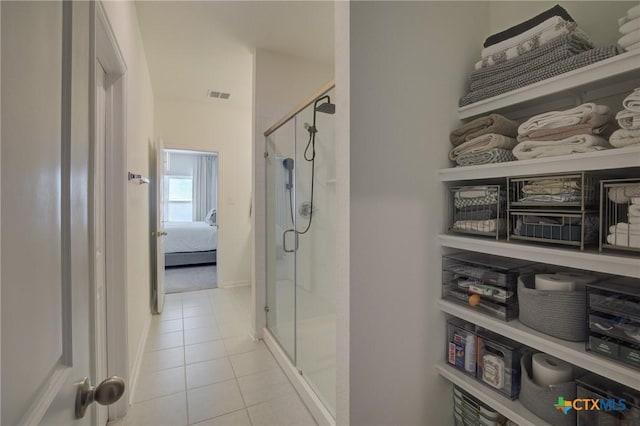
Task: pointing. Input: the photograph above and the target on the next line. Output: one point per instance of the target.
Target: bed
(190, 243)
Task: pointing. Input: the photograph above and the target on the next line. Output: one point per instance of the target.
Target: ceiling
(195, 46)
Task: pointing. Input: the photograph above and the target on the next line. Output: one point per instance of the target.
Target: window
(179, 198)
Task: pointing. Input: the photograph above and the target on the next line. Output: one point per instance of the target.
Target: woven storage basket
(561, 314)
(540, 400)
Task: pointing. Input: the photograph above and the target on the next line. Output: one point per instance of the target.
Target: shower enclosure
(300, 215)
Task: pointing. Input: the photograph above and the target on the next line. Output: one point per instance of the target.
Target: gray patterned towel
(522, 79)
(558, 50)
(495, 155)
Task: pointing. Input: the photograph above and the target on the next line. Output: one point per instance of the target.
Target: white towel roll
(579, 278)
(553, 282)
(548, 370)
(632, 25)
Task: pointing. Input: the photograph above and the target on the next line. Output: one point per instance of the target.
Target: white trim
(108, 52)
(47, 393)
(233, 284)
(137, 363)
(310, 399)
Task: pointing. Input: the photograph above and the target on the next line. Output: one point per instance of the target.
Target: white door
(157, 219)
(46, 311)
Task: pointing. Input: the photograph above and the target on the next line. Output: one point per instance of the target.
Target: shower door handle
(284, 240)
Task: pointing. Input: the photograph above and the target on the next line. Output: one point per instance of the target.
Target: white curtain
(204, 186)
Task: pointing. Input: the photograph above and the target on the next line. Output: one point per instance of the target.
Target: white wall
(215, 126)
(124, 21)
(408, 65)
(280, 83)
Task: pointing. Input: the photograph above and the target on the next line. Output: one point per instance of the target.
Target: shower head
(288, 163)
(327, 107)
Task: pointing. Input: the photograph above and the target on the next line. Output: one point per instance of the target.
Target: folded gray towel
(557, 50)
(492, 123)
(521, 79)
(495, 155)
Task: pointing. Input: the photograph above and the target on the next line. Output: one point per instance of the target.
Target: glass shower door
(281, 237)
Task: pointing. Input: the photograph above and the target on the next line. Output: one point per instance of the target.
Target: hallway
(200, 367)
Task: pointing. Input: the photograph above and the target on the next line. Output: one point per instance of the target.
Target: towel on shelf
(632, 13)
(629, 120)
(625, 137)
(548, 198)
(492, 123)
(594, 124)
(570, 117)
(557, 50)
(530, 23)
(476, 213)
(635, 200)
(623, 194)
(632, 101)
(571, 145)
(629, 39)
(623, 227)
(475, 196)
(523, 79)
(634, 210)
(629, 26)
(633, 47)
(551, 186)
(493, 155)
(482, 143)
(491, 225)
(624, 240)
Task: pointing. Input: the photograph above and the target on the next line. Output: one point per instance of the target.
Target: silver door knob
(107, 392)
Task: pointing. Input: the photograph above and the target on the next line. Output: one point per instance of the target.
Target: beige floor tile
(159, 383)
(162, 359)
(165, 411)
(234, 329)
(199, 335)
(157, 342)
(214, 400)
(200, 322)
(209, 372)
(252, 362)
(171, 314)
(204, 351)
(264, 386)
(284, 411)
(242, 344)
(168, 326)
(237, 418)
(196, 312)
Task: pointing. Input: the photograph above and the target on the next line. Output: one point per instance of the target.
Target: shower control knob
(305, 209)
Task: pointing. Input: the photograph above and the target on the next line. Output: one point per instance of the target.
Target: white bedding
(190, 236)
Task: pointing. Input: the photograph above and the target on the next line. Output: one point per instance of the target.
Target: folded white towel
(479, 225)
(634, 46)
(629, 39)
(625, 228)
(556, 119)
(622, 194)
(482, 143)
(629, 120)
(571, 145)
(634, 211)
(635, 200)
(624, 240)
(631, 25)
(634, 219)
(634, 12)
(549, 29)
(632, 101)
(625, 137)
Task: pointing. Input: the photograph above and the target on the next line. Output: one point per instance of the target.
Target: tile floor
(201, 368)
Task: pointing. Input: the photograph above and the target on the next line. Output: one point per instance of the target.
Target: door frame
(106, 50)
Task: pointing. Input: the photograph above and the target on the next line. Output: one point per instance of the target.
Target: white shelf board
(619, 158)
(572, 352)
(624, 265)
(513, 410)
(623, 67)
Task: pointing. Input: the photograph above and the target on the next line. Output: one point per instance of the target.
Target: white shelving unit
(513, 410)
(616, 75)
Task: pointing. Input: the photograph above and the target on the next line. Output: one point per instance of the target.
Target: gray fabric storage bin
(561, 314)
(540, 400)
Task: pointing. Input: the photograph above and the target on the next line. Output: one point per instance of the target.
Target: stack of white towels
(626, 234)
(630, 29)
(629, 121)
(576, 130)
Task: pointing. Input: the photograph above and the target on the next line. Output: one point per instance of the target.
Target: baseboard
(310, 399)
(137, 364)
(232, 284)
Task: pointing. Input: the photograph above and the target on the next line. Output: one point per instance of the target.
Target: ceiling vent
(218, 95)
